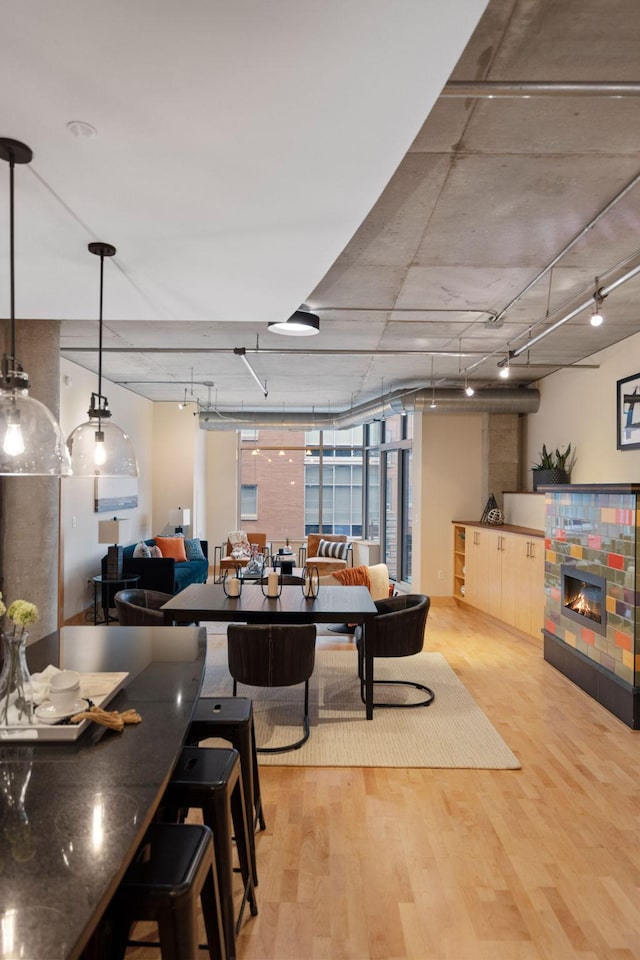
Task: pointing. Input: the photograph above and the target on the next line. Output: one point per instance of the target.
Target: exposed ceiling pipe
(449, 400)
(490, 89)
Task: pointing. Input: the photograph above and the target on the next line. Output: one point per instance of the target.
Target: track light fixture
(98, 447)
(302, 323)
(241, 352)
(433, 404)
(597, 318)
(504, 366)
(31, 441)
(468, 389)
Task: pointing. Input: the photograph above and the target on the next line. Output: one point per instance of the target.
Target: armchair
(314, 555)
(396, 631)
(228, 562)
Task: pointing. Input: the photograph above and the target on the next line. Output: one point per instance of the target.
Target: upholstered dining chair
(397, 630)
(141, 608)
(269, 655)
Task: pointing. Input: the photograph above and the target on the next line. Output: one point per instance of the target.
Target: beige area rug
(452, 732)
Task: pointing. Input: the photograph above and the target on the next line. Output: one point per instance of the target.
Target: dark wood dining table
(208, 601)
(73, 813)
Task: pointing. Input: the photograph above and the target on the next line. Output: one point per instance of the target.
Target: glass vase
(16, 692)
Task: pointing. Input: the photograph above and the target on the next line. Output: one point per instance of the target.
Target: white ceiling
(253, 156)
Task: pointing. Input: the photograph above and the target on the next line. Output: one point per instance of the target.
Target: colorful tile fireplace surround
(597, 528)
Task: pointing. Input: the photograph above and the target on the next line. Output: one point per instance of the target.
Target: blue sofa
(162, 573)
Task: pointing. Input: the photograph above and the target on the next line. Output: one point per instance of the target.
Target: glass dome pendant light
(99, 448)
(31, 441)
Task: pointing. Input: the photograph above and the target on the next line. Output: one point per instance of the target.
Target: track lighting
(597, 318)
(505, 372)
(241, 352)
(468, 389)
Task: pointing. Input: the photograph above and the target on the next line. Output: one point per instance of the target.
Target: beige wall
(579, 407)
(175, 435)
(80, 550)
(221, 459)
(447, 486)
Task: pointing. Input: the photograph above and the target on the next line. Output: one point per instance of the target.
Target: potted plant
(551, 467)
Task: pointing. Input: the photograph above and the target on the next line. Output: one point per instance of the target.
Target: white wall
(80, 551)
(579, 406)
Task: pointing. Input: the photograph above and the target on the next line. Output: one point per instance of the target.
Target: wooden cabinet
(501, 572)
(477, 579)
(459, 571)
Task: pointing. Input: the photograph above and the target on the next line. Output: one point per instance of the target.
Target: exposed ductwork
(447, 400)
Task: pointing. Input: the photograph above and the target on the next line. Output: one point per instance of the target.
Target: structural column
(30, 506)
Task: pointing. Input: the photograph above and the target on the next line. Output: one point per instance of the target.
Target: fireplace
(592, 539)
(583, 598)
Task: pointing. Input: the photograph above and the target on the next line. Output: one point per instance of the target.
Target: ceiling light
(99, 448)
(433, 404)
(302, 323)
(504, 372)
(31, 441)
(183, 403)
(468, 389)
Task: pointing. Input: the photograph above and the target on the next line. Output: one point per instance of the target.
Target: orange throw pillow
(172, 547)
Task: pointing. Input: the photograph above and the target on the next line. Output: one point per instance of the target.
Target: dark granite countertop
(72, 814)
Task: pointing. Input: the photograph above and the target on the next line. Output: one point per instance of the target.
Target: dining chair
(397, 630)
(141, 608)
(269, 655)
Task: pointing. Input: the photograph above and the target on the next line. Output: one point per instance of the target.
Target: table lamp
(111, 531)
(180, 518)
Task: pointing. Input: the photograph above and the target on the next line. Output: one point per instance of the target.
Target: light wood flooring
(541, 863)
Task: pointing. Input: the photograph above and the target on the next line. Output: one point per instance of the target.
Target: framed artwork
(115, 493)
(628, 419)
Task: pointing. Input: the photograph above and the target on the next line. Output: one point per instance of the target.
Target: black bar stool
(210, 779)
(231, 718)
(172, 868)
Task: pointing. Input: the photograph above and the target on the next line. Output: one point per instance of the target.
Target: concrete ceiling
(250, 157)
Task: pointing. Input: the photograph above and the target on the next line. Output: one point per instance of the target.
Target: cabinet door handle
(528, 549)
(532, 555)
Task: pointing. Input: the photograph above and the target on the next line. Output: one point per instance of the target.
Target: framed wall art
(628, 408)
(115, 493)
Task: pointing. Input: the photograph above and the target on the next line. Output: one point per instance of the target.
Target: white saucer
(47, 713)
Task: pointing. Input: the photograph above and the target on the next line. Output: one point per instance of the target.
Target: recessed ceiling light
(81, 129)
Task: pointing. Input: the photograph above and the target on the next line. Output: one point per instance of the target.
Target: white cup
(233, 587)
(272, 585)
(64, 689)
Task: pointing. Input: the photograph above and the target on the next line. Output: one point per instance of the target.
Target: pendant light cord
(12, 296)
(100, 344)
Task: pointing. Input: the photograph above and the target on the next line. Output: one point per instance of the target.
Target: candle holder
(232, 585)
(271, 585)
(311, 583)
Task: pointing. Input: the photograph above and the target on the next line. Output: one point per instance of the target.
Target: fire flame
(581, 605)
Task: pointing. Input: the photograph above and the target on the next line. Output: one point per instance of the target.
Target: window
(249, 501)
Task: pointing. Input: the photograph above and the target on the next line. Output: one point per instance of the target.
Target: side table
(109, 588)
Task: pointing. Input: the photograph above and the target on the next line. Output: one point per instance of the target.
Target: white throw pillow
(142, 550)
